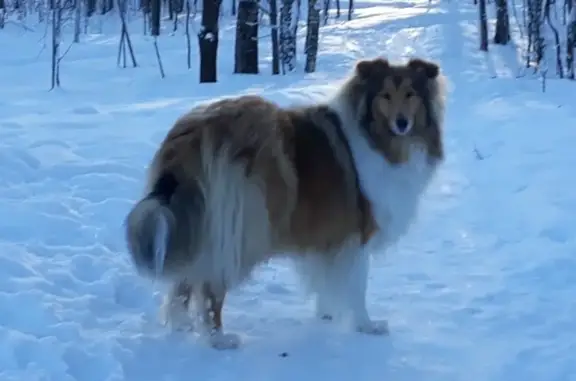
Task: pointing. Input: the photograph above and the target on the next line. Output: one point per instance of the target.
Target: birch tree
(536, 40)
(289, 14)
(312, 35)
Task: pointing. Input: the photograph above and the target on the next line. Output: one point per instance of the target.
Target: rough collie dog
(242, 180)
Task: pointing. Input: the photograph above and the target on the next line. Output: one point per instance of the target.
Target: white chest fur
(394, 191)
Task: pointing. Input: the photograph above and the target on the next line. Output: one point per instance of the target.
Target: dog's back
(206, 216)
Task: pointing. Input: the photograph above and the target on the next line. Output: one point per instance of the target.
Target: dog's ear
(428, 68)
(367, 69)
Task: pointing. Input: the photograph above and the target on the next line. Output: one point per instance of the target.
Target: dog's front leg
(353, 265)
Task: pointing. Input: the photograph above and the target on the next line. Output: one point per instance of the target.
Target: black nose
(401, 123)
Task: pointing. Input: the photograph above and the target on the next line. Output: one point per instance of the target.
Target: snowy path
(481, 289)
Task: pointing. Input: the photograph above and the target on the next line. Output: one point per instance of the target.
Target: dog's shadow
(304, 352)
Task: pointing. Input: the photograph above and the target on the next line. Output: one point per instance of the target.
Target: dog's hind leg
(210, 300)
(175, 309)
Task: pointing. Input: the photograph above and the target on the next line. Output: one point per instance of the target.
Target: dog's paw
(373, 327)
(224, 341)
(177, 319)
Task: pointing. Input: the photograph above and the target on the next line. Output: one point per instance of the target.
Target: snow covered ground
(482, 288)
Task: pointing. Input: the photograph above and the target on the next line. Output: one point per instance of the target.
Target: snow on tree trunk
(312, 32)
(571, 40)
(502, 31)
(208, 41)
(246, 46)
(288, 27)
(559, 69)
(536, 40)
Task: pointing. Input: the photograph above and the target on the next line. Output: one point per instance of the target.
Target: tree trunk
(2, 13)
(326, 11)
(350, 9)
(483, 25)
(288, 23)
(77, 20)
(155, 17)
(90, 7)
(274, 37)
(502, 32)
(246, 47)
(56, 39)
(208, 41)
(559, 69)
(535, 20)
(187, 32)
(312, 33)
(571, 40)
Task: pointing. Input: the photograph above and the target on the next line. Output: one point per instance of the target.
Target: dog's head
(402, 108)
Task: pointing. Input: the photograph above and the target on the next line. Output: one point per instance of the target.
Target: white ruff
(393, 190)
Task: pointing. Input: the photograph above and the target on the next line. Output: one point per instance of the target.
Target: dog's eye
(387, 96)
(409, 94)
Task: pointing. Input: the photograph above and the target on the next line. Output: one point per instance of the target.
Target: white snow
(482, 288)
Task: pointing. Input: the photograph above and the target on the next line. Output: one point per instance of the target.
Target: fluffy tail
(160, 228)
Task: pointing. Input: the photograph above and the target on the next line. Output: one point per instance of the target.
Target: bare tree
(502, 31)
(536, 42)
(90, 8)
(289, 14)
(483, 25)
(559, 68)
(56, 39)
(155, 31)
(124, 37)
(326, 10)
(312, 34)
(187, 31)
(2, 13)
(274, 37)
(350, 9)
(246, 47)
(208, 40)
(145, 8)
(77, 19)
(175, 8)
(570, 38)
